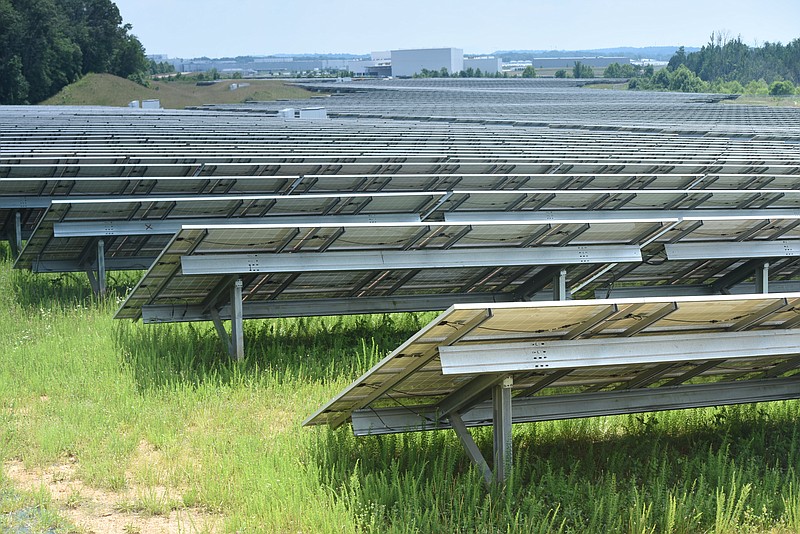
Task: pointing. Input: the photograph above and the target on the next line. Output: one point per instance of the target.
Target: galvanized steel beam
(375, 421)
(568, 354)
(410, 259)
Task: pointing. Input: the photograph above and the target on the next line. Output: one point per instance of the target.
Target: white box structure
(151, 104)
(410, 62)
(490, 65)
(313, 113)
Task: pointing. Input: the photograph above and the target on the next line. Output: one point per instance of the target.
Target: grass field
(112, 426)
(109, 90)
(764, 100)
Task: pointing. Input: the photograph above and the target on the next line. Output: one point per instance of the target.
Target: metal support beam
(560, 285)
(223, 334)
(173, 313)
(90, 274)
(762, 277)
(237, 334)
(736, 276)
(600, 216)
(472, 449)
(476, 390)
(779, 286)
(594, 352)
(536, 283)
(101, 267)
(170, 226)
(16, 242)
(501, 429)
(409, 259)
(376, 421)
(650, 319)
(722, 250)
(75, 266)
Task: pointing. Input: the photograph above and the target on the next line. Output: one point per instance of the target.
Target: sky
(227, 28)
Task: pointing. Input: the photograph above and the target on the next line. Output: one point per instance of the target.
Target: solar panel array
(540, 102)
(434, 194)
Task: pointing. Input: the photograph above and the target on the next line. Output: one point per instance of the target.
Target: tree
(678, 59)
(128, 57)
(686, 81)
(13, 85)
(561, 73)
(94, 27)
(626, 70)
(724, 59)
(756, 87)
(785, 87)
(582, 71)
(47, 44)
(529, 72)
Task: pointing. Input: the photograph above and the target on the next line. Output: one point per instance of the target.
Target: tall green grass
(149, 406)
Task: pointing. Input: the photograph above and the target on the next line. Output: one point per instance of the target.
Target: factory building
(487, 64)
(410, 62)
(569, 62)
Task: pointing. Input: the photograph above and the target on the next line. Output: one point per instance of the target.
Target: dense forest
(726, 65)
(47, 44)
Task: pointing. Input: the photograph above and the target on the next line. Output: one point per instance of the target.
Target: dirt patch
(99, 512)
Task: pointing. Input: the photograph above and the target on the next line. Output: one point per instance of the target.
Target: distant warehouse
(487, 65)
(569, 62)
(410, 62)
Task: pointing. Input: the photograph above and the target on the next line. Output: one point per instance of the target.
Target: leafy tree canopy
(47, 44)
(726, 59)
(582, 71)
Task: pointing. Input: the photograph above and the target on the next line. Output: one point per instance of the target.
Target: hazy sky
(217, 28)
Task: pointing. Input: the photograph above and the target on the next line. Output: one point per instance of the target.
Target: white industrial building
(569, 62)
(410, 62)
(487, 64)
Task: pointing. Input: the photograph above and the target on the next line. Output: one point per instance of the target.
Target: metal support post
(762, 277)
(501, 429)
(101, 267)
(16, 242)
(560, 285)
(237, 335)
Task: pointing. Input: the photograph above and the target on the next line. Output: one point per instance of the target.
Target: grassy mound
(109, 90)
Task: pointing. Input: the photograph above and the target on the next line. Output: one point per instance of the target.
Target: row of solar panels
(534, 104)
(531, 229)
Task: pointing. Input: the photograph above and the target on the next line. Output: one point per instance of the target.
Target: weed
(74, 499)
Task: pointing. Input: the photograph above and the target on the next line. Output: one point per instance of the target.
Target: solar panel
(503, 258)
(557, 360)
(135, 229)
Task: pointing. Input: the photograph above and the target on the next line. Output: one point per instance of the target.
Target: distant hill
(108, 90)
(661, 53)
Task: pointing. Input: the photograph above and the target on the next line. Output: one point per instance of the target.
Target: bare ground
(98, 511)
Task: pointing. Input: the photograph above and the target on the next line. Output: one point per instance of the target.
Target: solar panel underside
(412, 376)
(249, 251)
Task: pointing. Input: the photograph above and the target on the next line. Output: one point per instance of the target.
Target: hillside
(109, 90)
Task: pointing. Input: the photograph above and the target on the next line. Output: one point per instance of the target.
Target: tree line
(723, 65)
(467, 73)
(48, 44)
